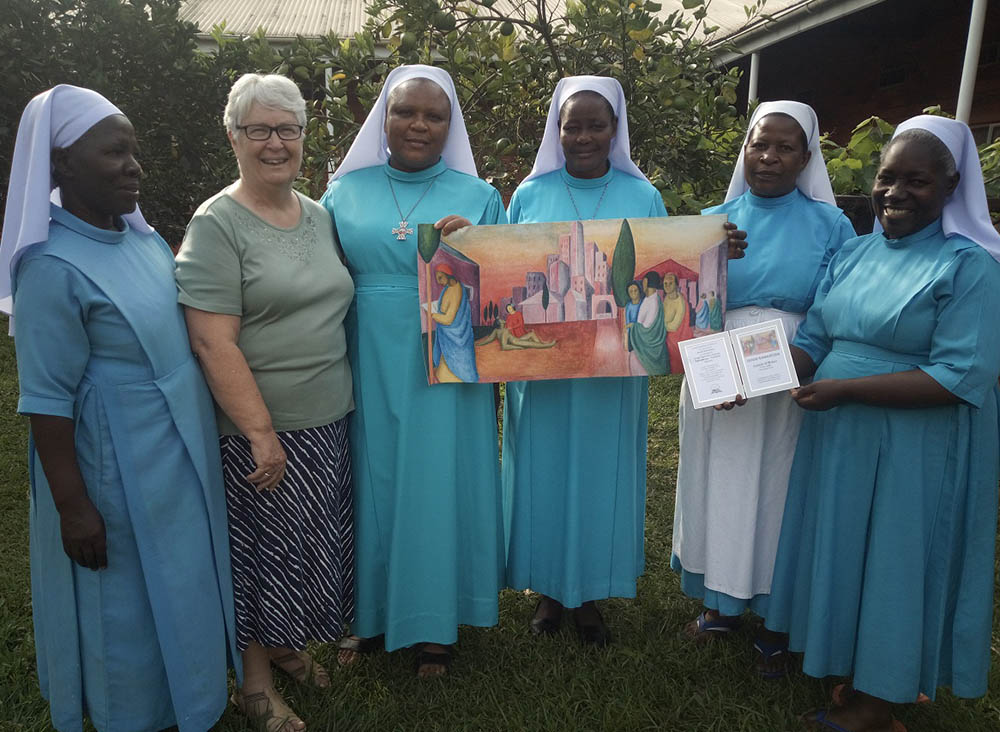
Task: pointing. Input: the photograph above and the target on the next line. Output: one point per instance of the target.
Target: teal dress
(575, 494)
(427, 522)
(143, 644)
(885, 563)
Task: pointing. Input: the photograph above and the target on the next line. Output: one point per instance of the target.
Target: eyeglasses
(259, 133)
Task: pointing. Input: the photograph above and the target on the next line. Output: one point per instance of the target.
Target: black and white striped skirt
(292, 548)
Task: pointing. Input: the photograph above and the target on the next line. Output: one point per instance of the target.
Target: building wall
(890, 60)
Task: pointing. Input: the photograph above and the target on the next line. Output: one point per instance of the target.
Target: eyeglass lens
(260, 133)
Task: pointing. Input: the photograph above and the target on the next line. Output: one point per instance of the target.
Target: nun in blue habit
(428, 532)
(574, 511)
(130, 577)
(884, 571)
(733, 468)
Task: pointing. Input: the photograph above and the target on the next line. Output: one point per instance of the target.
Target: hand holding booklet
(746, 362)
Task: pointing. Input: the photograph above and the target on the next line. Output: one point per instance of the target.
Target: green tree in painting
(545, 296)
(623, 264)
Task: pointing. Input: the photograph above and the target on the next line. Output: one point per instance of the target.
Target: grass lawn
(503, 678)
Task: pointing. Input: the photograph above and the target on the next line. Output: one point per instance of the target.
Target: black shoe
(546, 624)
(596, 634)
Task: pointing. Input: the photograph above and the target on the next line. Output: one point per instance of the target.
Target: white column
(968, 86)
(755, 74)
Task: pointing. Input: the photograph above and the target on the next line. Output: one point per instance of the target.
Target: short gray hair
(940, 153)
(268, 90)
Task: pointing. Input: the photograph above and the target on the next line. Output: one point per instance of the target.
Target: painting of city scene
(571, 299)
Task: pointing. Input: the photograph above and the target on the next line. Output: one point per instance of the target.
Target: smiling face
(774, 155)
(98, 175)
(586, 128)
(910, 188)
(417, 119)
(270, 162)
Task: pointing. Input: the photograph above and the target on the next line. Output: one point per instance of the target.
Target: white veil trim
(550, 154)
(966, 211)
(813, 181)
(371, 147)
(55, 118)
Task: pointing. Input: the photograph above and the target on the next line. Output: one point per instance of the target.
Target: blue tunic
(726, 524)
(885, 564)
(427, 521)
(575, 495)
(142, 644)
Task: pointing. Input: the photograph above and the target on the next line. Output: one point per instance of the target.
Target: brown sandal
(259, 708)
(303, 668)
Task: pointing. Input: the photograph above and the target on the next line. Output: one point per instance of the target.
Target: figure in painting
(454, 353)
(631, 312)
(512, 335)
(648, 336)
(714, 311)
(702, 319)
(677, 319)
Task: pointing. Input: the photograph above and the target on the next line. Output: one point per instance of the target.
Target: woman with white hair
(733, 468)
(430, 552)
(265, 294)
(884, 571)
(130, 582)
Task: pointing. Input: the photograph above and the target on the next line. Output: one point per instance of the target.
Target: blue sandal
(703, 627)
(818, 717)
(769, 652)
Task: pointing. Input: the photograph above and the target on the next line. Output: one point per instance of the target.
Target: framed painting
(571, 299)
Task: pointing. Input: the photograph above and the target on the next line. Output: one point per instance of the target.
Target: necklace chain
(402, 231)
(596, 208)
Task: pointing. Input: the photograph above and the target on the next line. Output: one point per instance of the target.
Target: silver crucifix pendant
(402, 231)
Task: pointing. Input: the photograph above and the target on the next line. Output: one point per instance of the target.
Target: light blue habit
(456, 342)
(142, 644)
(791, 241)
(427, 521)
(885, 564)
(574, 450)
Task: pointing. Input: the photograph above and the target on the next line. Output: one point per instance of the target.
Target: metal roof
(285, 19)
(281, 19)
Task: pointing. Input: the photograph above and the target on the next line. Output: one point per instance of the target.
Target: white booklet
(747, 362)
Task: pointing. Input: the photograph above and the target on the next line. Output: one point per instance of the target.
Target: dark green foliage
(140, 56)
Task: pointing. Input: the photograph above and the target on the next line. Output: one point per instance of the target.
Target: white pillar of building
(971, 65)
(755, 75)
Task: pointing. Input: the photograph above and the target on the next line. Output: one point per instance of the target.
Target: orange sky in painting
(506, 253)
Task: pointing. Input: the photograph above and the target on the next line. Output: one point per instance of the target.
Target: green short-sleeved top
(291, 291)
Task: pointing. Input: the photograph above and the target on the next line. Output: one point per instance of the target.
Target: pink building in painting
(576, 283)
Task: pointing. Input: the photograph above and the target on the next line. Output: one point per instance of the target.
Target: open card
(747, 362)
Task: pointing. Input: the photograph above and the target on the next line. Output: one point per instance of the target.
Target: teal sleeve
(812, 336)
(514, 210)
(842, 231)
(965, 347)
(656, 208)
(50, 335)
(209, 274)
(494, 213)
